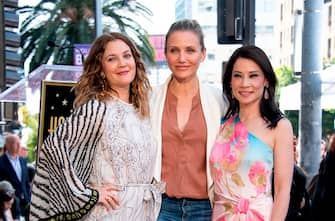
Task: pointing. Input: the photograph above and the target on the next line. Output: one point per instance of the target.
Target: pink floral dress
(241, 166)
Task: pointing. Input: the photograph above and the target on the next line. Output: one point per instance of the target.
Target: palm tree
(68, 22)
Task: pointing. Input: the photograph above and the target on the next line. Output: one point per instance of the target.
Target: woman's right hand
(107, 196)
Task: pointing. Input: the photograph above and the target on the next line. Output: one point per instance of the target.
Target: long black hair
(268, 108)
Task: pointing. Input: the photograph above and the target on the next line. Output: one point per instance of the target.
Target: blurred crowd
(15, 180)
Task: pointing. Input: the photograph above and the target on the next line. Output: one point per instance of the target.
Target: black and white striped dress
(64, 165)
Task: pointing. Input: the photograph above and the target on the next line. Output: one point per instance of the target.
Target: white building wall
(266, 13)
(286, 25)
(329, 31)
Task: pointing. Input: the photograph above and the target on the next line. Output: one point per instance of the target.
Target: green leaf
(68, 22)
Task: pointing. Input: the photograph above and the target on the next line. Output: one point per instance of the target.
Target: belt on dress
(236, 206)
(152, 193)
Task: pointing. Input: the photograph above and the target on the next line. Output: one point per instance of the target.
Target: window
(281, 12)
(330, 15)
(206, 6)
(281, 39)
(329, 48)
(268, 6)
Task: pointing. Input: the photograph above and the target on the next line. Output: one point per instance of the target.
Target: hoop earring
(266, 93)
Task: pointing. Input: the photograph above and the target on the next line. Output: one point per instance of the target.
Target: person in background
(254, 138)
(299, 207)
(324, 192)
(13, 168)
(312, 183)
(7, 195)
(295, 150)
(185, 115)
(30, 166)
(98, 165)
(323, 149)
(23, 151)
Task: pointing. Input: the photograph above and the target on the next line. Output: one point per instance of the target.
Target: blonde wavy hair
(91, 85)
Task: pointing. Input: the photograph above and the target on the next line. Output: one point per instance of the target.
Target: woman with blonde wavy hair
(98, 165)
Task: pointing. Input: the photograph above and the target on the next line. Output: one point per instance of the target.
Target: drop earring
(102, 82)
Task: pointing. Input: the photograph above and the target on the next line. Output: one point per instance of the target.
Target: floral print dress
(241, 166)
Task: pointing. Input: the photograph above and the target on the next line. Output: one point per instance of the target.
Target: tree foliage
(30, 121)
(285, 77)
(328, 63)
(68, 22)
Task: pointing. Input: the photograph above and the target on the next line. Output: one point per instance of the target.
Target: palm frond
(68, 22)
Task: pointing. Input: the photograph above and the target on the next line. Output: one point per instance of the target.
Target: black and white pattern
(64, 166)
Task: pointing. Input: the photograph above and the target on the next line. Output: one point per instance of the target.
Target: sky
(163, 14)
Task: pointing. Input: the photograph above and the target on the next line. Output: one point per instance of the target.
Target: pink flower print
(225, 135)
(242, 206)
(232, 160)
(230, 145)
(258, 176)
(226, 132)
(241, 130)
(240, 145)
(217, 171)
(231, 157)
(219, 151)
(221, 219)
(241, 136)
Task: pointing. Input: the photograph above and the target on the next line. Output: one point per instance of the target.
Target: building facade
(289, 26)
(10, 61)
(329, 31)
(278, 31)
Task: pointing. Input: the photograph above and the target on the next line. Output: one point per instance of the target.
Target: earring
(266, 93)
(102, 83)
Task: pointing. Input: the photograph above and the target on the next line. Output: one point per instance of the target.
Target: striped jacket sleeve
(60, 190)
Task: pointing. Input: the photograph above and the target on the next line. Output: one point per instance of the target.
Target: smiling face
(247, 82)
(118, 65)
(184, 54)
